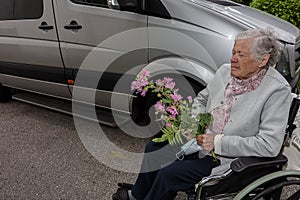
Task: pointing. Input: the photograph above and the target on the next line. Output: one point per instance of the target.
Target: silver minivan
(89, 51)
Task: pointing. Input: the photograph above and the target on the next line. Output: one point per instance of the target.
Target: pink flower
(145, 73)
(170, 85)
(176, 97)
(172, 116)
(169, 124)
(139, 84)
(173, 111)
(144, 93)
(159, 82)
(159, 106)
(168, 80)
(141, 81)
(134, 85)
(170, 105)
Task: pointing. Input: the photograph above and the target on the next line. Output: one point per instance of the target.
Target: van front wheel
(5, 93)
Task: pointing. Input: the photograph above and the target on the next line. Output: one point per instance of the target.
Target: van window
(21, 9)
(28, 9)
(92, 2)
(7, 10)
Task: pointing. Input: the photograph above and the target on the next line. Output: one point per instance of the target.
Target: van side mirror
(128, 5)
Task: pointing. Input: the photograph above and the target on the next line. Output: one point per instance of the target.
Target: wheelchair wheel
(276, 186)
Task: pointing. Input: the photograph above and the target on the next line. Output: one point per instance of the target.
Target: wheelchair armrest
(243, 163)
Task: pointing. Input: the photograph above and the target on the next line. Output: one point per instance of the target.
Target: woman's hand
(206, 141)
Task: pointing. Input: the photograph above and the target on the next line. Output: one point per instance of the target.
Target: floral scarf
(235, 87)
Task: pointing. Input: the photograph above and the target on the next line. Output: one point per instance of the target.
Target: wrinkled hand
(206, 141)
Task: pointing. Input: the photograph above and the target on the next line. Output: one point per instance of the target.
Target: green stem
(214, 156)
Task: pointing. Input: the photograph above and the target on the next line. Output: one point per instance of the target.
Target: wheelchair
(253, 177)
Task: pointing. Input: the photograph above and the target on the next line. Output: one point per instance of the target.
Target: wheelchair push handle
(292, 115)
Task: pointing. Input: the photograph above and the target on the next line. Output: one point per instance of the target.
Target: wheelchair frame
(266, 183)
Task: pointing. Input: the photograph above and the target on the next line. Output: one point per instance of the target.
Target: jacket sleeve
(200, 102)
(268, 141)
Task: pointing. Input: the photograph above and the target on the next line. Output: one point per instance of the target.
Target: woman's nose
(234, 58)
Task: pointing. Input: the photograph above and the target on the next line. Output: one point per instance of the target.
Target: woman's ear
(264, 60)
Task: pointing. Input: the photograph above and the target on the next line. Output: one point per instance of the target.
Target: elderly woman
(249, 101)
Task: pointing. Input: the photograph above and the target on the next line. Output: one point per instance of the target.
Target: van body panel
(98, 25)
(25, 49)
(33, 85)
(187, 40)
(106, 45)
(30, 51)
(199, 13)
(202, 13)
(105, 99)
(22, 41)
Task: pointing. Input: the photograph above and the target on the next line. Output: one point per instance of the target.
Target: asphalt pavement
(42, 157)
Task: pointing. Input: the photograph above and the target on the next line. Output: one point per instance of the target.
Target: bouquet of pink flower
(171, 109)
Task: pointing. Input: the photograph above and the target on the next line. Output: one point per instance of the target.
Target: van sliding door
(29, 52)
(102, 45)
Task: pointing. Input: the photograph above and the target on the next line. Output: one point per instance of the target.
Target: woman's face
(243, 63)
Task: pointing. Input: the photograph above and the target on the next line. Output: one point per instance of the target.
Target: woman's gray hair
(265, 43)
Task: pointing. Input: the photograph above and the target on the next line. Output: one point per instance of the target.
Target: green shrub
(286, 10)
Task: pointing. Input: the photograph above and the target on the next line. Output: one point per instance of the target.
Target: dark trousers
(162, 176)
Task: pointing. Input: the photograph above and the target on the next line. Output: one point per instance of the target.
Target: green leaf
(287, 10)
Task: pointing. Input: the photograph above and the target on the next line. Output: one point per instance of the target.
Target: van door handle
(44, 26)
(73, 25)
